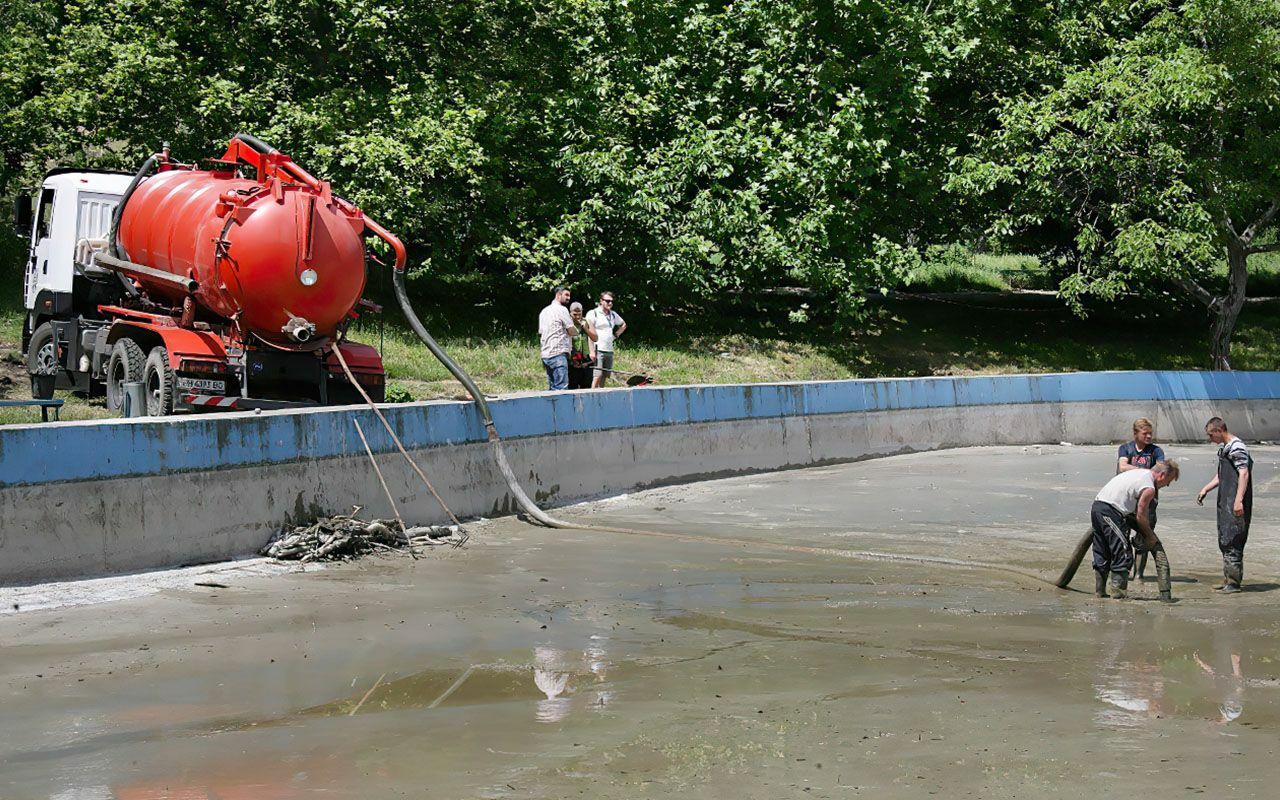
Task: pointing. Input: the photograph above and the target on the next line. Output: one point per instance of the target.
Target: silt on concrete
(540, 663)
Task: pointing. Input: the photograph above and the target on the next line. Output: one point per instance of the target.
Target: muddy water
(551, 664)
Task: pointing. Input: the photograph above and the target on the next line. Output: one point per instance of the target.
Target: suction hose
(535, 513)
(495, 442)
(148, 166)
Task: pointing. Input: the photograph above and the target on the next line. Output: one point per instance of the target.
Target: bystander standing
(556, 329)
(580, 361)
(608, 325)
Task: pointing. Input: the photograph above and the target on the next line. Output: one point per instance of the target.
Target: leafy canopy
(1150, 143)
(672, 149)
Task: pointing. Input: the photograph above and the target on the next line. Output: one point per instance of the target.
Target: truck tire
(43, 362)
(125, 366)
(157, 381)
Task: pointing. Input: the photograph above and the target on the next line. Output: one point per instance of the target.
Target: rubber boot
(1119, 582)
(1100, 583)
(1163, 578)
(1234, 574)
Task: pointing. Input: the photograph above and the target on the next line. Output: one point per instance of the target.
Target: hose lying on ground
(532, 510)
(1164, 581)
(527, 505)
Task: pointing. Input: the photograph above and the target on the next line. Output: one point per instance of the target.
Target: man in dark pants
(1141, 453)
(1129, 493)
(1234, 483)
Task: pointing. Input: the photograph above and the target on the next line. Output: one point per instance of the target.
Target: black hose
(113, 243)
(255, 143)
(1164, 581)
(542, 517)
(482, 405)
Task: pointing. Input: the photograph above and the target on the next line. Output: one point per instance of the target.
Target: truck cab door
(41, 243)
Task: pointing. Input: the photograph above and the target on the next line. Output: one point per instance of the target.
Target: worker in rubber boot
(1234, 483)
(1129, 494)
(1141, 453)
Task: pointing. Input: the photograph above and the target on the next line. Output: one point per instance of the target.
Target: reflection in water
(598, 663)
(1230, 686)
(1145, 674)
(554, 669)
(237, 780)
(1133, 694)
(84, 793)
(1130, 688)
(552, 709)
(551, 682)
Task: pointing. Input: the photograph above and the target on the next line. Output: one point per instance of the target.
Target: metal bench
(44, 406)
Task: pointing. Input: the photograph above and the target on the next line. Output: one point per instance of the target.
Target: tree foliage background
(671, 149)
(1149, 155)
(677, 150)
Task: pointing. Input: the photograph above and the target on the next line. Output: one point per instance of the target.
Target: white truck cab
(72, 206)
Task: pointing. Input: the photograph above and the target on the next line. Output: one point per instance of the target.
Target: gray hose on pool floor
(532, 510)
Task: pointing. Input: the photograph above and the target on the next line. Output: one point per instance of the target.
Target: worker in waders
(1130, 493)
(1141, 453)
(1234, 483)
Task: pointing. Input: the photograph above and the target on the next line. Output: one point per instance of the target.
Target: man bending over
(1132, 492)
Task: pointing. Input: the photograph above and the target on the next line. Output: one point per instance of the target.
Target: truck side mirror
(22, 215)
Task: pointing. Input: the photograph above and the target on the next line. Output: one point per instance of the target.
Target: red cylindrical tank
(265, 250)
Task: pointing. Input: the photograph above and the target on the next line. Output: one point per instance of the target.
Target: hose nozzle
(298, 329)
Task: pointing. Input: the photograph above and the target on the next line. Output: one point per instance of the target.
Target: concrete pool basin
(536, 663)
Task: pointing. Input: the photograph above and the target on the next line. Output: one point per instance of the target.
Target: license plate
(202, 384)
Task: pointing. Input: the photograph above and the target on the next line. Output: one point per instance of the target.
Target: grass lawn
(489, 327)
(956, 269)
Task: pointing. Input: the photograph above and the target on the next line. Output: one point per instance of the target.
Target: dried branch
(1196, 290)
(1258, 224)
(344, 537)
(1227, 225)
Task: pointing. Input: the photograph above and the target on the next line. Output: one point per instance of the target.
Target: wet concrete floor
(548, 664)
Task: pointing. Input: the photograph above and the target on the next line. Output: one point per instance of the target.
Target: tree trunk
(1226, 310)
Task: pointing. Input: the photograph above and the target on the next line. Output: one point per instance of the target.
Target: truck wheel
(42, 362)
(124, 367)
(157, 378)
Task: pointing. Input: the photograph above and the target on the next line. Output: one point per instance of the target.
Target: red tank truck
(220, 288)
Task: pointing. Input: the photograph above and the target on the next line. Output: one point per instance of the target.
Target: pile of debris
(343, 537)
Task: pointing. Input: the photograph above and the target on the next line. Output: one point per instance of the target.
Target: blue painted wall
(38, 454)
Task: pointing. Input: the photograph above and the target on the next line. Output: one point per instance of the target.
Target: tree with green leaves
(710, 148)
(673, 149)
(1150, 151)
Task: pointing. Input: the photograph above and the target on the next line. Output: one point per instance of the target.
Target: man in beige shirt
(557, 329)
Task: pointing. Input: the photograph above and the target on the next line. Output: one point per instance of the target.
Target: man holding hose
(1132, 492)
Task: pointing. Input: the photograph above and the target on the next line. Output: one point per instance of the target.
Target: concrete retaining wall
(91, 498)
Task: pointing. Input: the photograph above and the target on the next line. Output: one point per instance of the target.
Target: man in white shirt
(557, 329)
(608, 326)
(1129, 494)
